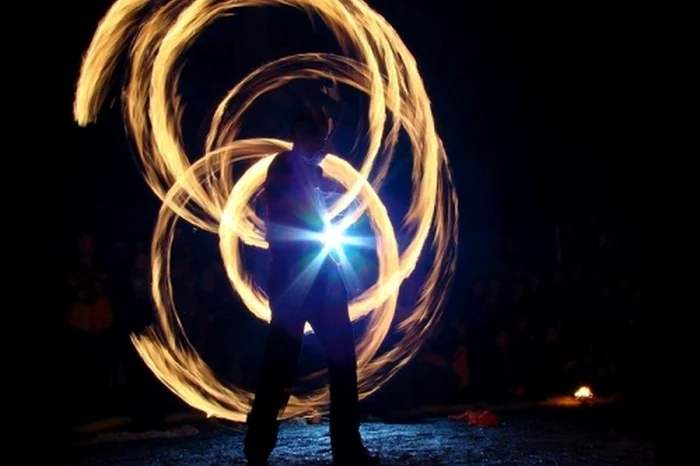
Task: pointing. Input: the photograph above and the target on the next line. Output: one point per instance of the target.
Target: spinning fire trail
(156, 34)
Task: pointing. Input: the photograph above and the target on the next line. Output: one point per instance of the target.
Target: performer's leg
(274, 381)
(331, 324)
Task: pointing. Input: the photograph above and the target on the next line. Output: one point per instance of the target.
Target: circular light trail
(156, 35)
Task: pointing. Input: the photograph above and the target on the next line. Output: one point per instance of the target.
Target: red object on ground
(480, 417)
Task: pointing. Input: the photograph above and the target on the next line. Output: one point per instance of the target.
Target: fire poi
(156, 35)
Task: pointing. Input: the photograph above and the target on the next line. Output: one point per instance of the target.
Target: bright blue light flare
(335, 239)
(332, 238)
(337, 243)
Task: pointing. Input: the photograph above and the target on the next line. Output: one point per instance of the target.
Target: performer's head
(310, 129)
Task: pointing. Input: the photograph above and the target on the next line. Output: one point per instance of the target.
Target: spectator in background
(500, 369)
(478, 340)
(90, 321)
(90, 308)
(439, 366)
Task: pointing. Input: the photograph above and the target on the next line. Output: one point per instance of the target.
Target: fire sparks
(156, 34)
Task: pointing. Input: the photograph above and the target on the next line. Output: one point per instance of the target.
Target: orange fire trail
(156, 34)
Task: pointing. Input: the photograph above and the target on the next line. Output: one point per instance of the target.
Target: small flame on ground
(583, 392)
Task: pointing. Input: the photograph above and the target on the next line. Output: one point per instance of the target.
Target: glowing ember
(155, 35)
(583, 393)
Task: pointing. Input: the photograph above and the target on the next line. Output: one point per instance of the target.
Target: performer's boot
(346, 442)
(358, 456)
(259, 442)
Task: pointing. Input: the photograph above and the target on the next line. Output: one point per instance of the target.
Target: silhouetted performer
(301, 292)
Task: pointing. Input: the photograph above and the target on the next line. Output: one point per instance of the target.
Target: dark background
(538, 106)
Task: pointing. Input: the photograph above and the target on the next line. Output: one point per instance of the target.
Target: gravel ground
(569, 436)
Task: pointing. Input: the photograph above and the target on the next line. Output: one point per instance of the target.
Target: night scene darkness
(403, 232)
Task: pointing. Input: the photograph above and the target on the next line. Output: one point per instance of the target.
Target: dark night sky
(536, 107)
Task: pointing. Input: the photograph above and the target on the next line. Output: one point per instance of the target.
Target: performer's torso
(294, 209)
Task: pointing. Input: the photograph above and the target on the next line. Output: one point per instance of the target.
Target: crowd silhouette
(519, 336)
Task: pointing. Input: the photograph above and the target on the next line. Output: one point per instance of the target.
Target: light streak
(155, 35)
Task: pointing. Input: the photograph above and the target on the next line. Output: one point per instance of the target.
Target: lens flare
(156, 35)
(332, 238)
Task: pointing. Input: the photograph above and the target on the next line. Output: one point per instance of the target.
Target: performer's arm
(329, 194)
